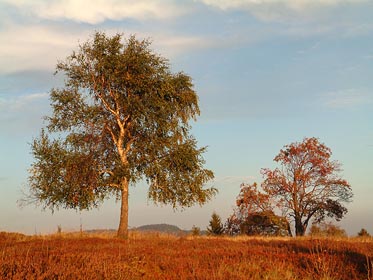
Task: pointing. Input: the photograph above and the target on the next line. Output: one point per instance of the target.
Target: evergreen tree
(196, 231)
(215, 225)
(363, 233)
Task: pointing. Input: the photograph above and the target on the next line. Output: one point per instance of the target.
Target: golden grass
(162, 256)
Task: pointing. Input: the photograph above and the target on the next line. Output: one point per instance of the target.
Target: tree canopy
(254, 215)
(307, 186)
(122, 116)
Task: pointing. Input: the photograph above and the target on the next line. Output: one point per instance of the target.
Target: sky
(267, 72)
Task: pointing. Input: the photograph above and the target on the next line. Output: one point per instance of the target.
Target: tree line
(266, 224)
(123, 116)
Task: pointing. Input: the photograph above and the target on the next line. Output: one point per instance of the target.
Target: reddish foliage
(254, 215)
(307, 186)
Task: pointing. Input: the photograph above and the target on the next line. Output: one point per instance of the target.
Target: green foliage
(121, 117)
(215, 226)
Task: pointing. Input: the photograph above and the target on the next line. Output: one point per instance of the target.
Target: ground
(159, 256)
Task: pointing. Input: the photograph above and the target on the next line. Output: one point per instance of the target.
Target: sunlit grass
(101, 255)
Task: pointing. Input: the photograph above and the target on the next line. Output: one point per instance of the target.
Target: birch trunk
(123, 223)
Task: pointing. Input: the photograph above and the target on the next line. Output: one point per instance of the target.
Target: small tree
(254, 215)
(122, 116)
(196, 231)
(215, 226)
(363, 233)
(307, 185)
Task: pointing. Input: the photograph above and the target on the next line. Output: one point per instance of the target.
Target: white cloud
(292, 4)
(347, 99)
(96, 11)
(173, 45)
(40, 47)
(279, 10)
(35, 47)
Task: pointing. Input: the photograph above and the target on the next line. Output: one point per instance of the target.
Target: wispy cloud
(35, 44)
(35, 47)
(295, 5)
(309, 49)
(368, 56)
(234, 180)
(278, 10)
(172, 45)
(22, 114)
(20, 103)
(347, 99)
(97, 11)
(49, 44)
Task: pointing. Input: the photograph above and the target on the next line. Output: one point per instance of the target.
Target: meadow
(159, 256)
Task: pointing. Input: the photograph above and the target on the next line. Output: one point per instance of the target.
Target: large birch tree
(121, 116)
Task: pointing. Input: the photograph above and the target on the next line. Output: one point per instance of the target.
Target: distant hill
(166, 228)
(162, 228)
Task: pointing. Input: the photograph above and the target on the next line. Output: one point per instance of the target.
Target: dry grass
(158, 256)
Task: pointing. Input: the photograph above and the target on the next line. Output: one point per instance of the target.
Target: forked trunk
(123, 223)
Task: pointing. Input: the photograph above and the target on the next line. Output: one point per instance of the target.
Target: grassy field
(156, 256)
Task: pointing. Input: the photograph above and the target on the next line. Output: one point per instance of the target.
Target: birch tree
(121, 116)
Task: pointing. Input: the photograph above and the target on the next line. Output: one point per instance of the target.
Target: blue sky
(268, 73)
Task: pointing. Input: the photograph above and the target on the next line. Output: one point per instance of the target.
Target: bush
(327, 230)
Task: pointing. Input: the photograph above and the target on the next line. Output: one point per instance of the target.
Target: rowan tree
(307, 186)
(122, 116)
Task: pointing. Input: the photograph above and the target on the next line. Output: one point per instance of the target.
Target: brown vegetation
(155, 256)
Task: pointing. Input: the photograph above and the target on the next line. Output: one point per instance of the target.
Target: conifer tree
(215, 225)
